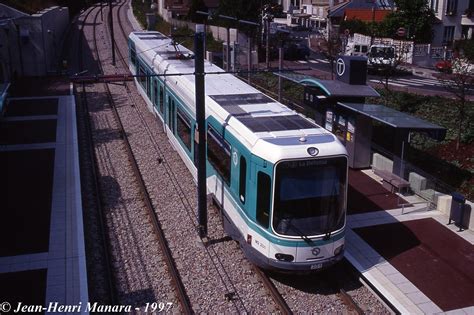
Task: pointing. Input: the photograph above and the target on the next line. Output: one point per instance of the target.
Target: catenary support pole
(201, 121)
(227, 65)
(280, 67)
(249, 57)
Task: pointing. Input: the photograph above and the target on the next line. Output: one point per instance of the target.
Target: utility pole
(280, 67)
(230, 18)
(249, 58)
(200, 117)
(267, 35)
(111, 24)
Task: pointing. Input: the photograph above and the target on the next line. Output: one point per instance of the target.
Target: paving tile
(413, 309)
(55, 293)
(407, 287)
(397, 278)
(456, 312)
(38, 264)
(38, 257)
(19, 267)
(429, 308)
(418, 297)
(386, 269)
(56, 280)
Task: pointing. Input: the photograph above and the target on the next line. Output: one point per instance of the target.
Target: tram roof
(253, 115)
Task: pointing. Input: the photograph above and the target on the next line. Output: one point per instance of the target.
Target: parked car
(444, 66)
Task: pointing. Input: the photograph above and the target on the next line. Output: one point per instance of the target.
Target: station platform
(42, 255)
(420, 264)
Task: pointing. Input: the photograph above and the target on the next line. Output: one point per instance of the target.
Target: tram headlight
(284, 257)
(338, 250)
(312, 151)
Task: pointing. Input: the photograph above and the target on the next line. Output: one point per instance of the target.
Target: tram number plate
(316, 266)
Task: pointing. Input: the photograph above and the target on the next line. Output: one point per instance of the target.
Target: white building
(310, 13)
(456, 21)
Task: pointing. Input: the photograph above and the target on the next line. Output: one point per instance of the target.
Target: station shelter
(340, 106)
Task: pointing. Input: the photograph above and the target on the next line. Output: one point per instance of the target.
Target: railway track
(237, 288)
(172, 269)
(89, 174)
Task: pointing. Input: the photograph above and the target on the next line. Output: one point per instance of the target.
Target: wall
(35, 41)
(448, 20)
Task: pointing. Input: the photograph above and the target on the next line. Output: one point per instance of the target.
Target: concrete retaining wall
(34, 42)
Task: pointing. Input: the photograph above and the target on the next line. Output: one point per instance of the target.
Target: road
(417, 84)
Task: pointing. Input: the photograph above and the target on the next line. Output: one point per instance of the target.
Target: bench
(390, 181)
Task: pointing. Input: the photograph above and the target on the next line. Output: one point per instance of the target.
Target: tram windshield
(310, 197)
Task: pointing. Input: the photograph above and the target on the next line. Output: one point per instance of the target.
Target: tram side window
(155, 92)
(162, 93)
(218, 154)
(142, 77)
(148, 88)
(263, 199)
(133, 56)
(184, 128)
(242, 178)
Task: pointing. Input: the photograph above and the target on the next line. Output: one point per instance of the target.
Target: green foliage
(355, 26)
(197, 5)
(140, 9)
(415, 16)
(467, 46)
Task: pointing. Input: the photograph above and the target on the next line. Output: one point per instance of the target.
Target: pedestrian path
(413, 258)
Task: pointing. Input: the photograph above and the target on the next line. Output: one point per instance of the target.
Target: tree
(467, 48)
(415, 16)
(459, 83)
(331, 48)
(197, 5)
(355, 26)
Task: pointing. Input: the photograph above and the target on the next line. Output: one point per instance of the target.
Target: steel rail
(172, 268)
(277, 297)
(111, 288)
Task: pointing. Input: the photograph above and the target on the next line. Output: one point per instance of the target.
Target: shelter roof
(332, 87)
(396, 119)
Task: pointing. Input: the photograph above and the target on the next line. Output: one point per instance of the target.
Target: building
(176, 9)
(455, 21)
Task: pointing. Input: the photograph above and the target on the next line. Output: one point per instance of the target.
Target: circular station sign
(401, 31)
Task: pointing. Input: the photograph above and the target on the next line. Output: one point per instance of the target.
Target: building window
(434, 5)
(243, 178)
(218, 154)
(448, 35)
(183, 124)
(263, 199)
(451, 7)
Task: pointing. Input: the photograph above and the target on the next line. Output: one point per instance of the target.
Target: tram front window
(310, 197)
